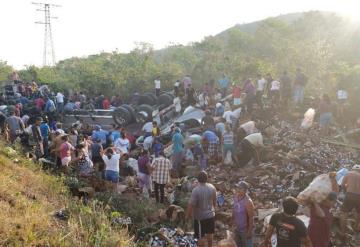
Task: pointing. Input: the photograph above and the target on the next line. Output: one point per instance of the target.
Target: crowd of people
(230, 133)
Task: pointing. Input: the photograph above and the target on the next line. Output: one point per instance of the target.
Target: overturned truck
(147, 108)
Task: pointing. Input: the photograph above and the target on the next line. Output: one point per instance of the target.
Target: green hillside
(29, 199)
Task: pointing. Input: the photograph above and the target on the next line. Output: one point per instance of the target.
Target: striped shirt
(161, 172)
(228, 138)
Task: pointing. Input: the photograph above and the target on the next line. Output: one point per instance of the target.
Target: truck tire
(165, 100)
(152, 95)
(146, 100)
(144, 113)
(171, 95)
(121, 116)
(131, 111)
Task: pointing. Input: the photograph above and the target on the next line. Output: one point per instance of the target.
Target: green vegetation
(324, 45)
(29, 199)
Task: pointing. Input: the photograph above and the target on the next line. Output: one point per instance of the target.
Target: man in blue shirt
(24, 101)
(115, 134)
(212, 141)
(99, 133)
(45, 131)
(219, 109)
(69, 107)
(49, 106)
(177, 155)
(223, 83)
(50, 109)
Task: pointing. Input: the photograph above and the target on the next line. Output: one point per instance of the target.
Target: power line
(49, 50)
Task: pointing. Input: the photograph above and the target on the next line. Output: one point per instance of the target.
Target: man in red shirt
(106, 103)
(39, 103)
(236, 94)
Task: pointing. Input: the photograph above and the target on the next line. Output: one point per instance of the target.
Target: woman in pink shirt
(39, 103)
(65, 152)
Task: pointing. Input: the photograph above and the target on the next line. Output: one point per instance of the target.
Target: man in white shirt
(60, 102)
(147, 128)
(232, 117)
(177, 103)
(157, 83)
(250, 147)
(275, 92)
(228, 115)
(342, 97)
(261, 84)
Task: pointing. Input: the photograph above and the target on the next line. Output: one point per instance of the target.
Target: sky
(86, 27)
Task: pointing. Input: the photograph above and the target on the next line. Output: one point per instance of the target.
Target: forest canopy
(323, 44)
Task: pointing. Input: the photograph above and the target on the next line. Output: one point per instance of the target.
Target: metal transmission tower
(49, 51)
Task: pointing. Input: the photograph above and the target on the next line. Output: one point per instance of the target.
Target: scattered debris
(62, 214)
(172, 237)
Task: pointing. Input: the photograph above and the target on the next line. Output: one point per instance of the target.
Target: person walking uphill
(201, 208)
(161, 175)
(243, 216)
(299, 85)
(325, 114)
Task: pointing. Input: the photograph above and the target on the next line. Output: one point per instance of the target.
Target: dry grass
(28, 199)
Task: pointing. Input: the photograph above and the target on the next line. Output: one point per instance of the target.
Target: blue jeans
(228, 147)
(112, 176)
(298, 94)
(241, 240)
(60, 107)
(325, 119)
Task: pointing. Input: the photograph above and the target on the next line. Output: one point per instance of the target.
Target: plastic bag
(228, 159)
(228, 242)
(318, 189)
(340, 175)
(308, 119)
(189, 155)
(133, 163)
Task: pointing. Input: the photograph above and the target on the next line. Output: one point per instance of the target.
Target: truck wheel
(121, 116)
(152, 95)
(165, 100)
(146, 100)
(171, 95)
(131, 111)
(144, 113)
